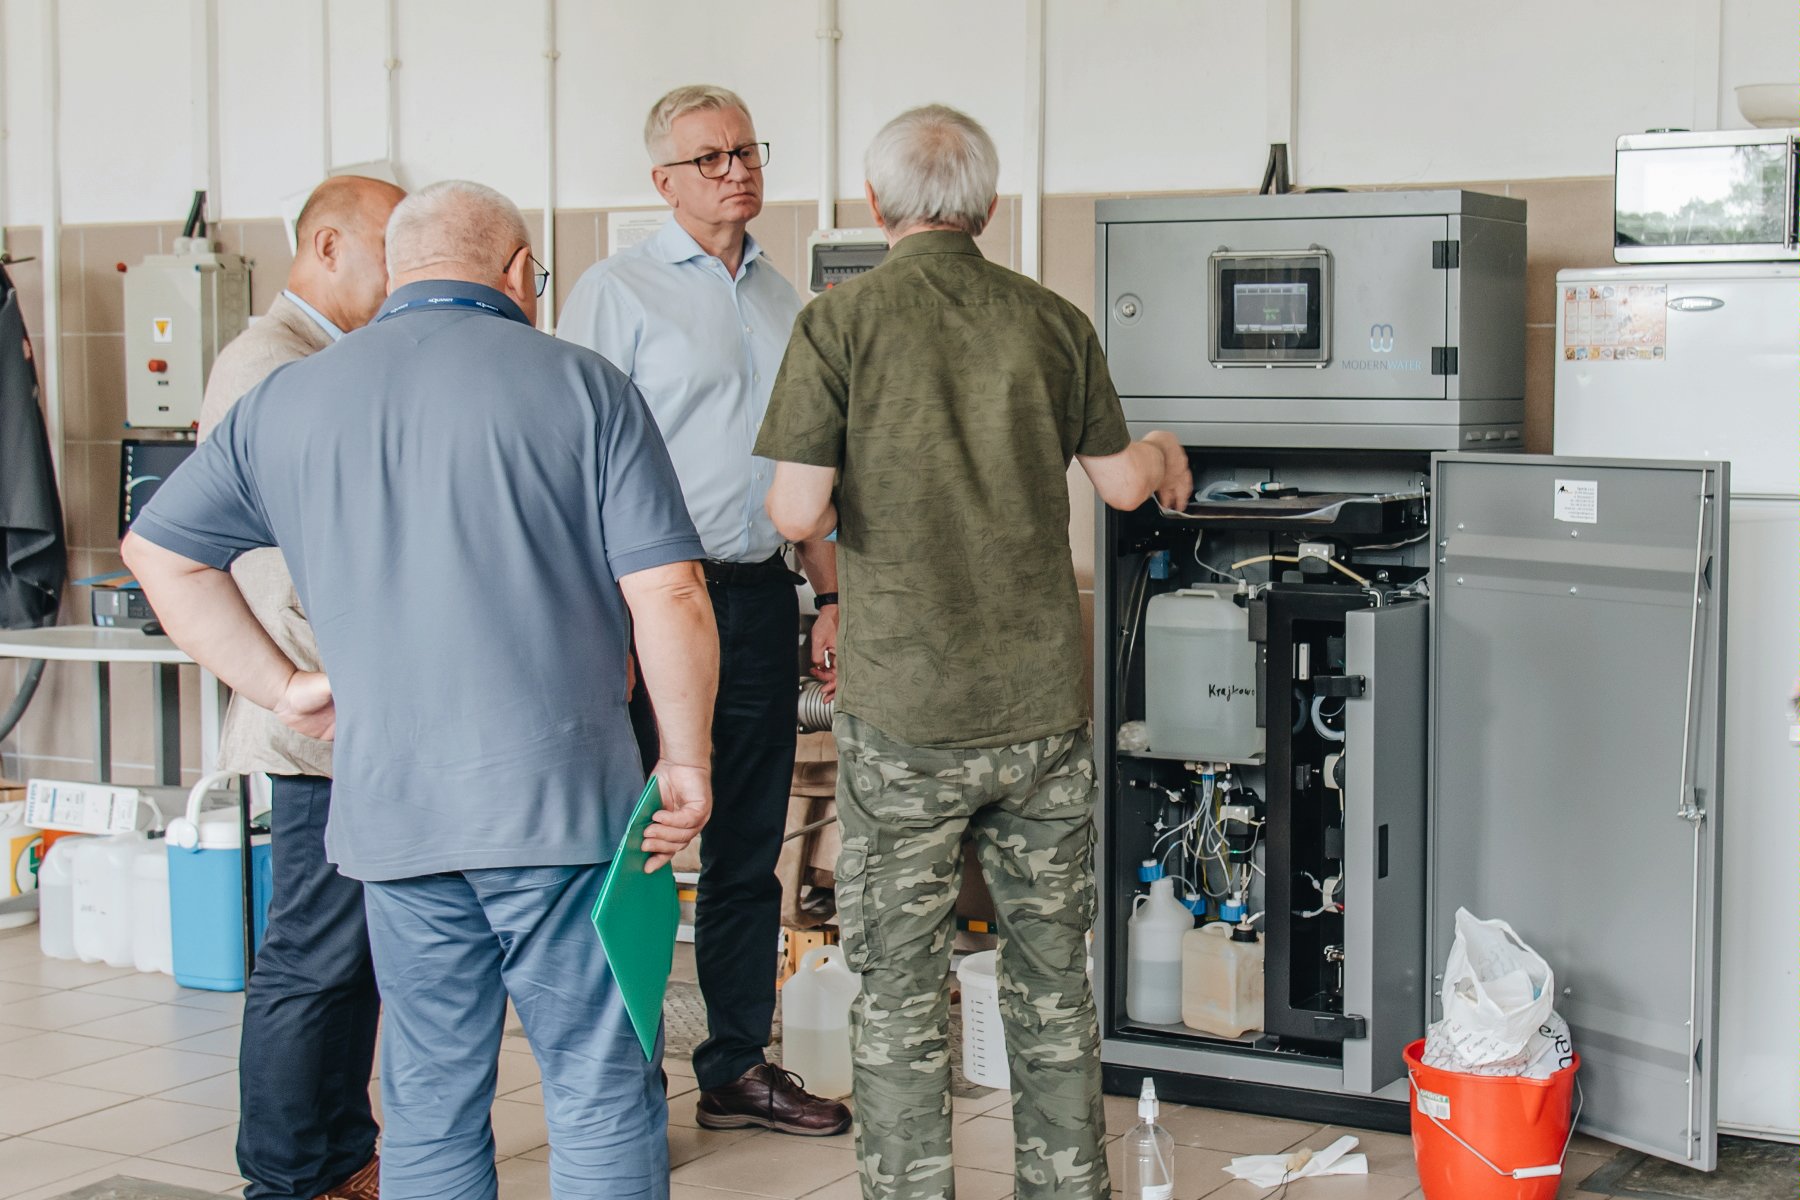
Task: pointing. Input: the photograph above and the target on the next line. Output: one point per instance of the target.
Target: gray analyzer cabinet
(1384, 664)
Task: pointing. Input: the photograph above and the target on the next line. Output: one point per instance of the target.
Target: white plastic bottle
(1153, 955)
(815, 1021)
(56, 899)
(1149, 1153)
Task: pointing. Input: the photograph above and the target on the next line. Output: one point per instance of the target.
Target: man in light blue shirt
(699, 319)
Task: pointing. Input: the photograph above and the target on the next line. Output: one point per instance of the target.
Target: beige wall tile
(60, 721)
(104, 247)
(73, 316)
(578, 247)
(1000, 240)
(777, 231)
(265, 244)
(105, 401)
(1068, 252)
(76, 426)
(854, 214)
(1540, 387)
(77, 517)
(1568, 223)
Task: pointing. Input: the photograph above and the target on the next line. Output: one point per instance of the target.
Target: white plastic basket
(983, 1036)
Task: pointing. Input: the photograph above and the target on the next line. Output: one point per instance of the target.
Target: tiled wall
(1569, 226)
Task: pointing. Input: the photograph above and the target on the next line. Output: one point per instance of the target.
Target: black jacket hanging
(33, 558)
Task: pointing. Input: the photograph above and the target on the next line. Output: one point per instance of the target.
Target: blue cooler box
(206, 894)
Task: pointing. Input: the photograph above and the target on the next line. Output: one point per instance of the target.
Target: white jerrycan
(815, 1021)
(56, 899)
(1153, 955)
(103, 898)
(152, 947)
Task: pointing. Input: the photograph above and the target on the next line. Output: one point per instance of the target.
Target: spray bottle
(1149, 1153)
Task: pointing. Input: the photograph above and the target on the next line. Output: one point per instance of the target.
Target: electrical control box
(835, 256)
(180, 311)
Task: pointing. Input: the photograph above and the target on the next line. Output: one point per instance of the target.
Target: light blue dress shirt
(319, 318)
(703, 348)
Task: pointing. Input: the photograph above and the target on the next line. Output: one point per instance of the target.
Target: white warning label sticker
(162, 329)
(1578, 501)
(1434, 1104)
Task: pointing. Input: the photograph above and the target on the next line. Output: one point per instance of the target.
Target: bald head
(339, 263)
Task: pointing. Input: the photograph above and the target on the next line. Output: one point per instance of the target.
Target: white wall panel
(1756, 45)
(270, 131)
(22, 75)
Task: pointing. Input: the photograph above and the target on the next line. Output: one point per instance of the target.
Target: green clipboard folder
(636, 917)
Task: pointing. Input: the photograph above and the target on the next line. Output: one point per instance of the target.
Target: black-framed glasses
(540, 274)
(716, 164)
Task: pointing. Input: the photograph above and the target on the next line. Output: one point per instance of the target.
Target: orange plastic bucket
(1489, 1137)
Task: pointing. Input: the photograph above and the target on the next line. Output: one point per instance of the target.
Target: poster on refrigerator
(1616, 322)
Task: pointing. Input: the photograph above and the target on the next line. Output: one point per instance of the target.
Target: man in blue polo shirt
(469, 510)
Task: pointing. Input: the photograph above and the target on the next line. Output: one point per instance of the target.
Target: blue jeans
(449, 950)
(310, 1014)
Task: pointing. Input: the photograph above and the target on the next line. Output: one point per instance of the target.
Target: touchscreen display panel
(1269, 307)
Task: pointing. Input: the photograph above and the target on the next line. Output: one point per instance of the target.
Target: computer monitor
(143, 465)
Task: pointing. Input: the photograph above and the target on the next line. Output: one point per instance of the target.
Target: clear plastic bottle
(1149, 1153)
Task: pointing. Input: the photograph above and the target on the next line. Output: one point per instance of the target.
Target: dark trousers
(737, 919)
(310, 1013)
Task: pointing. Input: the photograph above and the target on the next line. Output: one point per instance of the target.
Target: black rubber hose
(34, 672)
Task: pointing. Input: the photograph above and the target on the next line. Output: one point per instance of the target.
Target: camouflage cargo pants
(905, 811)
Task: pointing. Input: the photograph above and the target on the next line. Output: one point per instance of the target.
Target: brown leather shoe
(364, 1185)
(768, 1097)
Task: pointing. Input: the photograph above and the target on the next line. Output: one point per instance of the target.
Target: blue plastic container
(206, 894)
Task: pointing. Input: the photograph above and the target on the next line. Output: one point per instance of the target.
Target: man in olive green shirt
(927, 411)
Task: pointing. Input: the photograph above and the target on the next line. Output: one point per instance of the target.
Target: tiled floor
(106, 1072)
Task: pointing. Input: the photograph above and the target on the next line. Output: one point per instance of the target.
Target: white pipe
(1707, 46)
(1282, 55)
(203, 103)
(1031, 198)
(52, 343)
(325, 88)
(828, 34)
(392, 63)
(547, 309)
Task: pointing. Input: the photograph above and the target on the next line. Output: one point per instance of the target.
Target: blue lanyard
(444, 301)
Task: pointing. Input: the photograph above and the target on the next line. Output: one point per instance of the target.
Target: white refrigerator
(1704, 362)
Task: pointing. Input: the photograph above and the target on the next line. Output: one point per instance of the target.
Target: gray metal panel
(1324, 437)
(1180, 1055)
(1564, 740)
(1314, 410)
(1487, 313)
(1156, 304)
(1423, 202)
(1384, 804)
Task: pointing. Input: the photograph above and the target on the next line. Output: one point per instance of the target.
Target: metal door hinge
(1693, 805)
(1446, 255)
(1443, 360)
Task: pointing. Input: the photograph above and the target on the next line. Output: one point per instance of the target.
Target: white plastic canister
(1200, 677)
(56, 898)
(103, 897)
(1153, 955)
(1222, 980)
(815, 1021)
(983, 1032)
(152, 946)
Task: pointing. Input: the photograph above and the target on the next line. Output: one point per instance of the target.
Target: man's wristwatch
(822, 599)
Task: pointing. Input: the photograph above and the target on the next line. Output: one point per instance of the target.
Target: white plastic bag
(1547, 1051)
(1497, 991)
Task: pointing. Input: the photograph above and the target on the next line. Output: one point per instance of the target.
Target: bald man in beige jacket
(311, 1007)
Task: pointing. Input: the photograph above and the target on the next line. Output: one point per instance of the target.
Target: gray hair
(454, 221)
(933, 166)
(694, 97)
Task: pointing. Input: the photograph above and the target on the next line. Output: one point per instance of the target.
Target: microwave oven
(1726, 196)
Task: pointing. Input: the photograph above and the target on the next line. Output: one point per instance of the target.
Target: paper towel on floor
(1273, 1170)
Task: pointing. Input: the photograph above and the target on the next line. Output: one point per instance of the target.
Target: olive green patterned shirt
(950, 394)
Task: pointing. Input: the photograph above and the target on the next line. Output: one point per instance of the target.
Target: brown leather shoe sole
(708, 1120)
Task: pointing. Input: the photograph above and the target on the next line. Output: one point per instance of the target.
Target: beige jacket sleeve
(253, 740)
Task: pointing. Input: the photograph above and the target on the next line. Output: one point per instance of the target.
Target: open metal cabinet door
(1577, 716)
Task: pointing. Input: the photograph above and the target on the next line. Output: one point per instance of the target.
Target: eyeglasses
(540, 274)
(716, 164)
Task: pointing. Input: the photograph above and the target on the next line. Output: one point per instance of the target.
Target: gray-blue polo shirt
(457, 496)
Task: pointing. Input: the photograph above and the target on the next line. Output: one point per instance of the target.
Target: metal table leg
(168, 724)
(103, 719)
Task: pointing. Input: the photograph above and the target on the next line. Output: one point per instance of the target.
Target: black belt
(773, 569)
